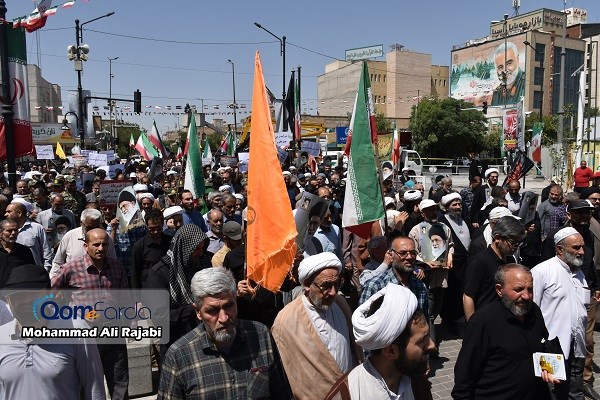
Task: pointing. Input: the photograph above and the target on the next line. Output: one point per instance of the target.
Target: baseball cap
(579, 205)
(232, 230)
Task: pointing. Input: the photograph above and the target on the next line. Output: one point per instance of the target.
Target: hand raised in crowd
(419, 273)
(388, 258)
(243, 289)
(400, 219)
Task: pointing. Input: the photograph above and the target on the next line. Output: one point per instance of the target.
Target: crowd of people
(356, 318)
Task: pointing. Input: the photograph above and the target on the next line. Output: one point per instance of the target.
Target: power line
(180, 41)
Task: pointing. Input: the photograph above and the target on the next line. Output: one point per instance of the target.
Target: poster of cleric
(478, 71)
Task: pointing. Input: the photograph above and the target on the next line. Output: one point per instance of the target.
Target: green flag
(194, 176)
(363, 193)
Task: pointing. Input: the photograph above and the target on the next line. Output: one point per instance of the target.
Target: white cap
(388, 200)
(225, 188)
(132, 175)
(564, 233)
(314, 264)
(449, 198)
(412, 195)
(499, 212)
(171, 172)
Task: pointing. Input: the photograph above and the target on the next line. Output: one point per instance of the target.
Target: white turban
(449, 198)
(564, 233)
(140, 187)
(146, 196)
(172, 211)
(225, 188)
(28, 206)
(238, 196)
(489, 171)
(413, 195)
(314, 264)
(387, 323)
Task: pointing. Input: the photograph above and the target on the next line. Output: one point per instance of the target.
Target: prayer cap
(449, 198)
(140, 187)
(489, 171)
(564, 233)
(172, 211)
(413, 195)
(28, 205)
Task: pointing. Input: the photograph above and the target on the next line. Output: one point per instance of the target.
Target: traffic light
(484, 107)
(137, 101)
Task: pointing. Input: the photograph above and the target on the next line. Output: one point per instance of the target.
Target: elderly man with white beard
(452, 310)
(562, 293)
(314, 333)
(395, 331)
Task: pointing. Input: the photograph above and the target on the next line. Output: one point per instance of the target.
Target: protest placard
(244, 161)
(109, 191)
(44, 152)
(282, 139)
(97, 159)
(311, 148)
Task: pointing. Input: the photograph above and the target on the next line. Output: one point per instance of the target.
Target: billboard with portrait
(477, 72)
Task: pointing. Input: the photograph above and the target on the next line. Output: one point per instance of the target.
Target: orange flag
(271, 227)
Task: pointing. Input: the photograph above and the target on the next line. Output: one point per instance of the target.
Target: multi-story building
(44, 97)
(478, 74)
(398, 84)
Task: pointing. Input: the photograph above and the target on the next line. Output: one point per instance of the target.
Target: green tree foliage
(447, 129)
(123, 135)
(384, 125)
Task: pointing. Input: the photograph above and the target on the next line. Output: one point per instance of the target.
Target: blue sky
(186, 44)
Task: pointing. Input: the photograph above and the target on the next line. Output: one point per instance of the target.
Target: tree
(447, 128)
(383, 124)
(123, 135)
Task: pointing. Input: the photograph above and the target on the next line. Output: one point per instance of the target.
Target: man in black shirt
(495, 361)
(149, 249)
(507, 236)
(14, 254)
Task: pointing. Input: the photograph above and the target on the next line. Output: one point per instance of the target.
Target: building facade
(44, 97)
(397, 84)
(530, 45)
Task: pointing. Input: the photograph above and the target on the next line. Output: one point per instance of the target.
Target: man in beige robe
(314, 332)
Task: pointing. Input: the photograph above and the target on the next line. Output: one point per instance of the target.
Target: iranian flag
(231, 144)
(179, 155)
(363, 194)
(19, 95)
(145, 147)
(131, 141)
(206, 154)
(154, 137)
(396, 149)
(194, 175)
(68, 4)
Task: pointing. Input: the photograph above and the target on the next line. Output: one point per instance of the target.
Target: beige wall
(42, 94)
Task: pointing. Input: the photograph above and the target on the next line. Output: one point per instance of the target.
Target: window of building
(537, 99)
(384, 99)
(371, 79)
(384, 78)
(541, 49)
(538, 77)
(444, 83)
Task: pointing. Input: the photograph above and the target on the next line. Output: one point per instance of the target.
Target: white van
(412, 160)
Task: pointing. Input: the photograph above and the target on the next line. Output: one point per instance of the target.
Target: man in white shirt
(561, 291)
(71, 246)
(395, 331)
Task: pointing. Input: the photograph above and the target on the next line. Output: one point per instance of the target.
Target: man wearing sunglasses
(314, 332)
(507, 235)
(403, 272)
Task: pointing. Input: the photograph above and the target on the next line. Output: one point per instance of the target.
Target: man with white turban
(482, 194)
(313, 332)
(563, 293)
(395, 332)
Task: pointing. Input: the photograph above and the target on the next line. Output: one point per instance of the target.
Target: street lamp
(78, 53)
(282, 51)
(65, 122)
(234, 102)
(541, 56)
(110, 101)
